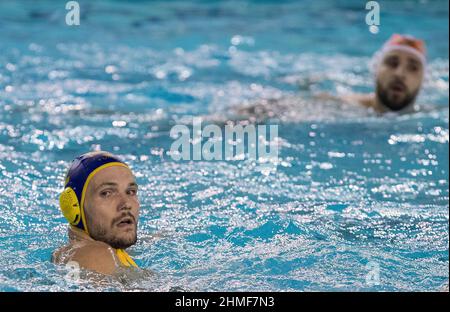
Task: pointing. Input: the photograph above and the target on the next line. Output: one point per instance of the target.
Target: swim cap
(81, 171)
(399, 42)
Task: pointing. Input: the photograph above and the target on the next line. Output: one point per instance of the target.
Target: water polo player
(399, 68)
(101, 204)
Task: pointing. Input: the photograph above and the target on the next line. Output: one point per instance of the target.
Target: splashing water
(351, 188)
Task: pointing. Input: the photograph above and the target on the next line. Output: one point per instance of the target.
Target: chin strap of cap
(125, 258)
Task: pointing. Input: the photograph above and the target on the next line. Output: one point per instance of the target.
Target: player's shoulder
(366, 99)
(96, 256)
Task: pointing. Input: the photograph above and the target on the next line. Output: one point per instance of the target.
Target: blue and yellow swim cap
(81, 171)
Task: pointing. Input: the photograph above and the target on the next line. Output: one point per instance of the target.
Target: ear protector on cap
(82, 170)
(70, 206)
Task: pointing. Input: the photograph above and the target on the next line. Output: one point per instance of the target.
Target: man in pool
(399, 68)
(100, 202)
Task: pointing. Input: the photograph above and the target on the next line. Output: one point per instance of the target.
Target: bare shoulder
(367, 100)
(98, 257)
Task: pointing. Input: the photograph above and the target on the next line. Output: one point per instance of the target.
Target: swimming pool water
(352, 190)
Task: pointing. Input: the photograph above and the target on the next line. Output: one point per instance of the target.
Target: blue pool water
(352, 191)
